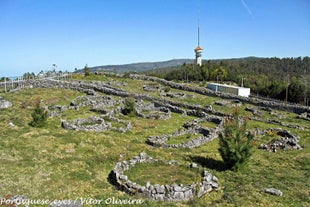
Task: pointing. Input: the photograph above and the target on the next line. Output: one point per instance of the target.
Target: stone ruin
(204, 91)
(305, 116)
(97, 124)
(117, 83)
(286, 141)
(55, 111)
(254, 110)
(4, 103)
(152, 87)
(94, 100)
(176, 95)
(228, 103)
(103, 104)
(174, 192)
(191, 127)
(151, 111)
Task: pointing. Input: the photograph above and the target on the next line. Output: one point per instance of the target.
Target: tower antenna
(198, 22)
(198, 36)
(198, 49)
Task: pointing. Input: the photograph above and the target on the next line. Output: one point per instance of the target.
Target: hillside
(87, 137)
(268, 77)
(139, 67)
(157, 66)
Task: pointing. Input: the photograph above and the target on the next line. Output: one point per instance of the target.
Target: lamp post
(306, 85)
(242, 81)
(5, 84)
(286, 92)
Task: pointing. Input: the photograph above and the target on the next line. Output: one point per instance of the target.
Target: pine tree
(39, 116)
(86, 70)
(235, 142)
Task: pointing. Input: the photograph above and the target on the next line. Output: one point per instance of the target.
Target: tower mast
(198, 35)
(198, 49)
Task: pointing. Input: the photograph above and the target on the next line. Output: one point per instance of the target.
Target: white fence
(11, 85)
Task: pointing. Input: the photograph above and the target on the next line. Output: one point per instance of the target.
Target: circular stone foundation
(193, 127)
(150, 111)
(285, 141)
(97, 124)
(164, 192)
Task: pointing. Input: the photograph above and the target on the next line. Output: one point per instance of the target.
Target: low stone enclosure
(192, 127)
(160, 108)
(286, 141)
(97, 124)
(158, 192)
(204, 91)
(152, 111)
(4, 103)
(90, 87)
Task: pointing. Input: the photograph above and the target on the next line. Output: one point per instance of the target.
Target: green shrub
(39, 116)
(235, 142)
(167, 89)
(86, 71)
(129, 108)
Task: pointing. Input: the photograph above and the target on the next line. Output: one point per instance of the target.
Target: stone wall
(192, 127)
(92, 87)
(286, 141)
(108, 89)
(204, 91)
(87, 87)
(151, 111)
(4, 103)
(97, 124)
(158, 192)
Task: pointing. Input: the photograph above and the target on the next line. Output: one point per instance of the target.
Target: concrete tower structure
(198, 51)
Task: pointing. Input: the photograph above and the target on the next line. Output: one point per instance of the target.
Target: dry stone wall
(204, 91)
(286, 141)
(92, 87)
(150, 111)
(97, 124)
(192, 127)
(4, 103)
(87, 87)
(158, 192)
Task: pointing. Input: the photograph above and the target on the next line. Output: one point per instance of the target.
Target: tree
(29, 75)
(4, 79)
(219, 73)
(204, 73)
(235, 142)
(86, 71)
(39, 116)
(296, 91)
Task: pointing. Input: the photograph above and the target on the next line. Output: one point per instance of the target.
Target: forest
(284, 79)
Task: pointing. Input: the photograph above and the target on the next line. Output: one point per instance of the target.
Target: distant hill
(140, 67)
(156, 66)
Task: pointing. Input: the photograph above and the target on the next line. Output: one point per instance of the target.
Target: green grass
(54, 163)
(208, 124)
(163, 174)
(182, 138)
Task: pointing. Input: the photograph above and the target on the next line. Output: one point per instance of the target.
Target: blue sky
(71, 33)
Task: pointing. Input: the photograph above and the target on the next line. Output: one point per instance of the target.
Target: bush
(235, 142)
(167, 89)
(86, 71)
(39, 116)
(129, 108)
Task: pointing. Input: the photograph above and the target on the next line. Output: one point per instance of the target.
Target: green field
(54, 163)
